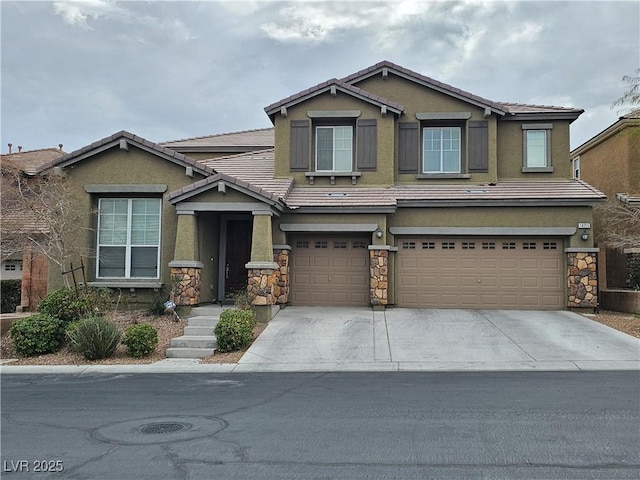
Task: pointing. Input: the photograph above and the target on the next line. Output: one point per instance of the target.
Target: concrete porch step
(206, 310)
(202, 321)
(194, 341)
(179, 352)
(197, 330)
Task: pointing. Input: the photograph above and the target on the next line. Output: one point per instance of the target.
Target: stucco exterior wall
(607, 165)
(122, 167)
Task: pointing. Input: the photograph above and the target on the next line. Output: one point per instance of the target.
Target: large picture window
(441, 149)
(128, 237)
(334, 149)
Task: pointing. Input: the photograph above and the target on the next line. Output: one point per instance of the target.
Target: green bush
(68, 305)
(234, 330)
(37, 335)
(157, 305)
(141, 339)
(9, 295)
(94, 337)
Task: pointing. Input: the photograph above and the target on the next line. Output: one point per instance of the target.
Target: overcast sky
(75, 72)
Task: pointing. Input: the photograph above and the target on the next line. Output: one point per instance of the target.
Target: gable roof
(260, 138)
(30, 160)
(509, 111)
(331, 86)
(117, 139)
(255, 168)
(630, 120)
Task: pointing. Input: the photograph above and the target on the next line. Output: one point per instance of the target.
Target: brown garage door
(480, 273)
(330, 271)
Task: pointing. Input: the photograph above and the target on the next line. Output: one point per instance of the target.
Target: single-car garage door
(330, 271)
(480, 273)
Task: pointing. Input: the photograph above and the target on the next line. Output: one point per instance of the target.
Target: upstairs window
(576, 167)
(334, 149)
(128, 237)
(441, 149)
(537, 148)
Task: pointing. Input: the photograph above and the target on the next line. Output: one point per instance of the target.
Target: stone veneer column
(185, 282)
(379, 274)
(262, 271)
(281, 255)
(582, 277)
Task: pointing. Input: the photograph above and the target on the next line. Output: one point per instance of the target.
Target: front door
(238, 254)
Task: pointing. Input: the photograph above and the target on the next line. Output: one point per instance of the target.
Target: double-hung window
(334, 149)
(441, 149)
(128, 243)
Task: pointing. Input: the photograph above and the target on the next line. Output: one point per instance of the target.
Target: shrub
(157, 305)
(37, 335)
(9, 295)
(94, 337)
(141, 339)
(68, 305)
(234, 330)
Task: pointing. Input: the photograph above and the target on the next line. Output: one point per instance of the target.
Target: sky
(73, 72)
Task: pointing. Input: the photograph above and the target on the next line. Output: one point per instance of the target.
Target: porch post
(263, 273)
(379, 275)
(186, 268)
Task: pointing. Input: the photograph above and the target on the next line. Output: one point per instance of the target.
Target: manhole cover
(148, 431)
(162, 428)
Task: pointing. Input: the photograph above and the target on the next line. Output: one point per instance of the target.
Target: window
(10, 267)
(468, 245)
(537, 147)
(576, 167)
(488, 245)
(340, 244)
(409, 245)
(428, 245)
(528, 245)
(550, 246)
(321, 244)
(441, 149)
(359, 245)
(302, 244)
(448, 245)
(334, 149)
(128, 238)
(508, 245)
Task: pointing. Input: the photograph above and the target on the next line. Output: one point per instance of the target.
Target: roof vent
(475, 191)
(338, 194)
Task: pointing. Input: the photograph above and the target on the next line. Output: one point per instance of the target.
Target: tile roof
(261, 137)
(374, 69)
(255, 168)
(326, 86)
(516, 108)
(526, 192)
(95, 147)
(30, 160)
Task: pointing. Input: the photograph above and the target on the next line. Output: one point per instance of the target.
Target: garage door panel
(480, 273)
(334, 271)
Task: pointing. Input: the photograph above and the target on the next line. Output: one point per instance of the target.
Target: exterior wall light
(585, 235)
(378, 232)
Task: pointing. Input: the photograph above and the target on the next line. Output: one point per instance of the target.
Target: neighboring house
(382, 188)
(21, 260)
(611, 162)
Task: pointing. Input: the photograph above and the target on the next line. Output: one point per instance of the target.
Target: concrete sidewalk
(327, 339)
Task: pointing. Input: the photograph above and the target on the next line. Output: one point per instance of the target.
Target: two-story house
(385, 187)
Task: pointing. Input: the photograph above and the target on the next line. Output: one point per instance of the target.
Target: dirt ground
(168, 329)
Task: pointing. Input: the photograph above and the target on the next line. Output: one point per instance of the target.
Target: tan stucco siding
(119, 167)
(383, 174)
(511, 151)
(607, 166)
(229, 196)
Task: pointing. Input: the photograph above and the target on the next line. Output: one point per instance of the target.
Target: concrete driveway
(356, 339)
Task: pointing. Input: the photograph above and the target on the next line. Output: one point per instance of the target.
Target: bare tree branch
(620, 224)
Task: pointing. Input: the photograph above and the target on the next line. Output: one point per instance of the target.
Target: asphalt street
(394, 425)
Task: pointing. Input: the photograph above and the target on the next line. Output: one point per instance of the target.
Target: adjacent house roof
(30, 160)
(257, 139)
(630, 120)
(122, 139)
(333, 85)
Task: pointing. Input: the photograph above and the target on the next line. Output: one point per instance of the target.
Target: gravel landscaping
(625, 322)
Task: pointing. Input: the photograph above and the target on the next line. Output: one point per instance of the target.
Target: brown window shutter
(299, 145)
(367, 138)
(408, 147)
(479, 146)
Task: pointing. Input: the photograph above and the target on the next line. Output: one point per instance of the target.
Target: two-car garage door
(480, 273)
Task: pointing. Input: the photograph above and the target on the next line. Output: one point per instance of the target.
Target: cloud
(76, 13)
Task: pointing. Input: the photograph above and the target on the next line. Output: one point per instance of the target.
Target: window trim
(533, 127)
(128, 246)
(423, 170)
